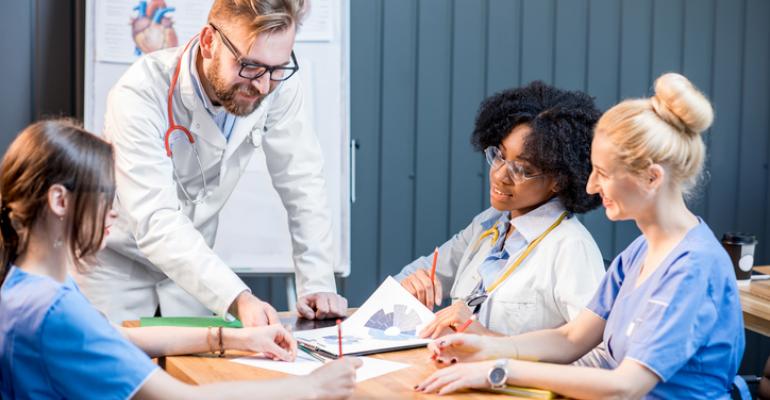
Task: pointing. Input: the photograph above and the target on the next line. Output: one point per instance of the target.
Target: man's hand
(322, 305)
(253, 311)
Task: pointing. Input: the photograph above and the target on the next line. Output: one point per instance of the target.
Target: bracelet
(208, 340)
(221, 344)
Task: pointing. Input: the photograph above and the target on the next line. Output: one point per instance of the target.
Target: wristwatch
(498, 375)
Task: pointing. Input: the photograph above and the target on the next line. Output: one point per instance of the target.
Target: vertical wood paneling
(468, 86)
(365, 115)
(602, 82)
(537, 40)
(433, 125)
(504, 45)
(16, 77)
(755, 124)
(399, 42)
(725, 133)
(697, 57)
(635, 63)
(571, 55)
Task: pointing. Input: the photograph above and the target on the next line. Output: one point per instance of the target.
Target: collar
(535, 222)
(192, 59)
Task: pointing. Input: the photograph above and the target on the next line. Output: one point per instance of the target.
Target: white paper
(305, 364)
(116, 22)
(317, 25)
(390, 318)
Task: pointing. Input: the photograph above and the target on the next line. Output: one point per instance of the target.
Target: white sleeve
(578, 270)
(296, 166)
(135, 124)
(449, 256)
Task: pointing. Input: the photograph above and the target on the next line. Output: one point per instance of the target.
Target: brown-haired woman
(56, 192)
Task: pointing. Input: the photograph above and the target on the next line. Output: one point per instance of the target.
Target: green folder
(195, 322)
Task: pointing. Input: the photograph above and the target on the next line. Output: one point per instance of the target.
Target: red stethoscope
(173, 127)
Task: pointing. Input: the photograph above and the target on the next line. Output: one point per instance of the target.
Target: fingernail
(415, 387)
(440, 361)
(454, 360)
(441, 343)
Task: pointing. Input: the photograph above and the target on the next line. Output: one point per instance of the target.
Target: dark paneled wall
(419, 70)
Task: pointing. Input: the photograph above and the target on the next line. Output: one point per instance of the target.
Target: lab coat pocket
(515, 313)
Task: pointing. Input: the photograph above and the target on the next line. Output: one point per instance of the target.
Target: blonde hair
(663, 129)
(260, 15)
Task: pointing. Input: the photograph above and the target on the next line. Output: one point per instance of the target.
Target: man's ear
(206, 42)
(58, 200)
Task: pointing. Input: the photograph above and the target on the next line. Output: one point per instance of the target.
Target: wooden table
(755, 302)
(201, 369)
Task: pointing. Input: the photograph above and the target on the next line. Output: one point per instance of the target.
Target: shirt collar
(535, 222)
(192, 59)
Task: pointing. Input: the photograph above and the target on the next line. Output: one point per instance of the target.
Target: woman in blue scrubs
(56, 190)
(668, 308)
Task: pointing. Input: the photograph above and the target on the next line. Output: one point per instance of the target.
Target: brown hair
(47, 153)
(260, 15)
(663, 129)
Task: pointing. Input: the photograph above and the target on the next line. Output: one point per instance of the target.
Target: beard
(226, 95)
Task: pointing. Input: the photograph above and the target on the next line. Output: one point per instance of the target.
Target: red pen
(466, 324)
(339, 336)
(433, 270)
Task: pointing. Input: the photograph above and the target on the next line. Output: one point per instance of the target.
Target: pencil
(339, 336)
(433, 270)
(466, 324)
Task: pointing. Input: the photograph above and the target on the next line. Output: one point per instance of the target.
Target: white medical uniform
(159, 252)
(548, 289)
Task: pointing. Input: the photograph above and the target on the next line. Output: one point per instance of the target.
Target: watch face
(497, 375)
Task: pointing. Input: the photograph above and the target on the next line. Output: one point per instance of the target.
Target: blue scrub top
(54, 344)
(684, 322)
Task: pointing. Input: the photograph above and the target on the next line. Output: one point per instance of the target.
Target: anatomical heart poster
(127, 29)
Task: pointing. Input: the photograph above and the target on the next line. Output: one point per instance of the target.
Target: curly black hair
(562, 124)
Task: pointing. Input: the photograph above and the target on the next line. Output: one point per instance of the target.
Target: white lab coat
(551, 286)
(160, 234)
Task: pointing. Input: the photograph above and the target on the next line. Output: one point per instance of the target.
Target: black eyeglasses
(253, 71)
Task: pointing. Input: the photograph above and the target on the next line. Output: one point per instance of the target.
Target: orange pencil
(433, 269)
(466, 324)
(339, 336)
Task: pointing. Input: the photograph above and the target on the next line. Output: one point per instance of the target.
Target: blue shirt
(223, 119)
(684, 322)
(527, 228)
(54, 344)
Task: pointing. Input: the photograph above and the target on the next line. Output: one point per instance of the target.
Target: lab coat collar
(535, 222)
(201, 125)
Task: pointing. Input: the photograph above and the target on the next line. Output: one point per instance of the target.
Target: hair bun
(678, 102)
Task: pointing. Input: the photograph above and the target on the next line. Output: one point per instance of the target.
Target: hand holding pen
(424, 286)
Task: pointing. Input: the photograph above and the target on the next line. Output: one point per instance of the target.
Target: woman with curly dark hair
(525, 263)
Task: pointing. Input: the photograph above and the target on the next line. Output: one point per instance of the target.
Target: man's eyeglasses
(516, 171)
(253, 71)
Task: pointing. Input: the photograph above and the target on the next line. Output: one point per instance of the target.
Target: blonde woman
(668, 308)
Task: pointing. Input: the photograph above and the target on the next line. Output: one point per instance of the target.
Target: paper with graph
(390, 319)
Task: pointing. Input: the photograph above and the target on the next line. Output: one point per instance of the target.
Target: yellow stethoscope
(480, 295)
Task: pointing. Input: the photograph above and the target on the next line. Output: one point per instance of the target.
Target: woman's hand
(456, 377)
(421, 287)
(462, 347)
(274, 341)
(449, 319)
(335, 379)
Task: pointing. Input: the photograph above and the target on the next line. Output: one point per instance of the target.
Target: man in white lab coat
(235, 89)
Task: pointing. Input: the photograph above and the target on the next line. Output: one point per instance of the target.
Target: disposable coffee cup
(740, 247)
